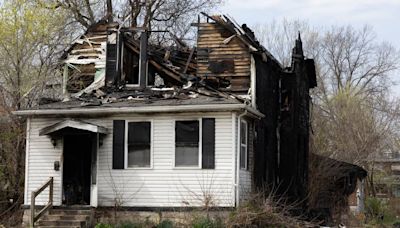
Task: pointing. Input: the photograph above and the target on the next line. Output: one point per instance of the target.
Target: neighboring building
(387, 178)
(155, 127)
(336, 188)
(387, 175)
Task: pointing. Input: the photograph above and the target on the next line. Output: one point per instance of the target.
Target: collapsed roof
(110, 60)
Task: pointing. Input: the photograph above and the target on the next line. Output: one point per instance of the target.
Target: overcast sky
(383, 15)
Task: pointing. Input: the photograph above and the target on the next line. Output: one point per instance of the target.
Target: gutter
(141, 110)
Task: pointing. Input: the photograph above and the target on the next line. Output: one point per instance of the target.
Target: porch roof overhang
(74, 124)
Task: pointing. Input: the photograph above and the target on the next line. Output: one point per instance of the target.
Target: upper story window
(139, 145)
(187, 143)
(243, 144)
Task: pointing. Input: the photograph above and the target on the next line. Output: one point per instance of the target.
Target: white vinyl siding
(163, 185)
(41, 155)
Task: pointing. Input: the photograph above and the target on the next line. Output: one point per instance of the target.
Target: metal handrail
(34, 194)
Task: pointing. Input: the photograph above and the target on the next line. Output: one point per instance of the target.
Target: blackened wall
(266, 144)
(282, 95)
(294, 128)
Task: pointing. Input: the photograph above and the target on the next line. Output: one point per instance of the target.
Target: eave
(141, 110)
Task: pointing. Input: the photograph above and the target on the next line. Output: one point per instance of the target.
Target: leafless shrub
(261, 211)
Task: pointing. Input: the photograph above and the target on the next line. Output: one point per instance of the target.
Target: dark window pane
(139, 134)
(187, 143)
(243, 162)
(187, 132)
(243, 144)
(243, 132)
(138, 156)
(186, 156)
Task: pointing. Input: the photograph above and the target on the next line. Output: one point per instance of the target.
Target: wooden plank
(205, 43)
(188, 61)
(238, 62)
(208, 25)
(221, 45)
(226, 75)
(239, 67)
(228, 48)
(228, 52)
(236, 70)
(237, 57)
(221, 32)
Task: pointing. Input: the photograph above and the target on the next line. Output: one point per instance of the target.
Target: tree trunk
(109, 11)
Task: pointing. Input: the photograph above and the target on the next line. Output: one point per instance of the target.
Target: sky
(382, 15)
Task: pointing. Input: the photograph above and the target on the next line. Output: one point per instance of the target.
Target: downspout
(238, 157)
(27, 147)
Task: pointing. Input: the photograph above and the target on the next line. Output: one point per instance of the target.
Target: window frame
(200, 150)
(126, 143)
(246, 145)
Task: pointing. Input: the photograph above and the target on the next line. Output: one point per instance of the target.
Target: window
(187, 143)
(243, 144)
(139, 144)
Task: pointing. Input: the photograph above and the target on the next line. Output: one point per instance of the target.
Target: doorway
(77, 169)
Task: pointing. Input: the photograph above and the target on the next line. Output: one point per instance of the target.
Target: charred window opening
(202, 54)
(139, 144)
(217, 82)
(187, 143)
(222, 66)
(130, 68)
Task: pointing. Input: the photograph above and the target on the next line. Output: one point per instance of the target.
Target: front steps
(77, 217)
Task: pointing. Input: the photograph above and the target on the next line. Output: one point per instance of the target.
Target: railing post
(51, 192)
(49, 184)
(33, 195)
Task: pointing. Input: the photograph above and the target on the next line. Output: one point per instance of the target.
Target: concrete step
(55, 217)
(58, 226)
(69, 212)
(58, 223)
(77, 217)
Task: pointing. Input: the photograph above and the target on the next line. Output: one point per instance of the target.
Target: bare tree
(160, 15)
(31, 39)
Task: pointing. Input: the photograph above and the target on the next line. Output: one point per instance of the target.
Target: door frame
(94, 137)
(94, 168)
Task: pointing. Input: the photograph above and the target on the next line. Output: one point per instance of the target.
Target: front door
(77, 169)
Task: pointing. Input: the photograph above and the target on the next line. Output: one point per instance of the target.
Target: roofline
(141, 110)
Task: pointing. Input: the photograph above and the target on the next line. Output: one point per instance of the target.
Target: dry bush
(270, 211)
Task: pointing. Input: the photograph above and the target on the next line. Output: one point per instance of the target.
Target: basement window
(139, 145)
(187, 143)
(243, 144)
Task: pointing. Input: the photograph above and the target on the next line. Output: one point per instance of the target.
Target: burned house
(158, 127)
